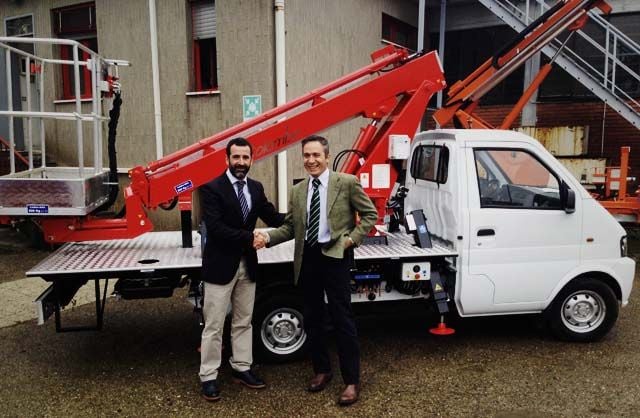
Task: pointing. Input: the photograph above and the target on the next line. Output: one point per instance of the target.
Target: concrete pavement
(17, 293)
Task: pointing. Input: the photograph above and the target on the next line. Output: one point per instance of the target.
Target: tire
(585, 310)
(278, 326)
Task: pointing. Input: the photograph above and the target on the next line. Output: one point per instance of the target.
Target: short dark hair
(239, 142)
(317, 138)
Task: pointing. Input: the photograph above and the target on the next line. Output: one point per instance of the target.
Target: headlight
(623, 246)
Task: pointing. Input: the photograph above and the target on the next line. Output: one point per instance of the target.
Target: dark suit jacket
(228, 237)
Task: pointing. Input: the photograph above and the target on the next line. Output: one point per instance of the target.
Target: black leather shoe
(350, 395)
(319, 382)
(210, 390)
(248, 379)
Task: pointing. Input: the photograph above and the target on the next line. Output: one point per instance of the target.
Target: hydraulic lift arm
(464, 96)
(393, 92)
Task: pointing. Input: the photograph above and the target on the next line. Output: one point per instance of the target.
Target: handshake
(260, 240)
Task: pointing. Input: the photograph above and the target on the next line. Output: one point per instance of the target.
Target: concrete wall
(471, 14)
(329, 39)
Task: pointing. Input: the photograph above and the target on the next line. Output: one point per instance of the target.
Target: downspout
(421, 6)
(157, 111)
(281, 98)
(443, 20)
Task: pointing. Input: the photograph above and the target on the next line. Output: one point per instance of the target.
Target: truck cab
(530, 238)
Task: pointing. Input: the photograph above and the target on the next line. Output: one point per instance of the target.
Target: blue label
(422, 229)
(37, 208)
(184, 186)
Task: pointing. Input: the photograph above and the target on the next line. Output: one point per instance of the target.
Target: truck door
(521, 242)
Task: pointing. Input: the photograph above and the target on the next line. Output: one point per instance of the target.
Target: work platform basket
(41, 190)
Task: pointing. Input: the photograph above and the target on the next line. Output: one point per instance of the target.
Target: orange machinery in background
(613, 190)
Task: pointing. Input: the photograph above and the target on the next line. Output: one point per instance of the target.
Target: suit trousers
(241, 293)
(319, 275)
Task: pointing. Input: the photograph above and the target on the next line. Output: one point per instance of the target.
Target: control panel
(416, 271)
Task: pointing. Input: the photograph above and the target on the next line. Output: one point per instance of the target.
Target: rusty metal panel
(584, 168)
(561, 140)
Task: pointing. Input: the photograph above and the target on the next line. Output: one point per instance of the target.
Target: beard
(239, 171)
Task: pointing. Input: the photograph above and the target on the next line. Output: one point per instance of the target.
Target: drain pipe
(157, 111)
(281, 98)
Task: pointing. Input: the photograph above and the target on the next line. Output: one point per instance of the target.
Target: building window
(19, 26)
(77, 22)
(203, 25)
(398, 32)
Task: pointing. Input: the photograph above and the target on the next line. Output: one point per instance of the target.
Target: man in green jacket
(322, 219)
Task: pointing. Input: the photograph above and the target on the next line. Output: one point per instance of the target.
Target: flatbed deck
(162, 251)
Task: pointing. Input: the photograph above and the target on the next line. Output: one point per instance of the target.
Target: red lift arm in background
(392, 92)
(464, 96)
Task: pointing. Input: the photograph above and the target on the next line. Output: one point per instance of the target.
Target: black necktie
(314, 214)
(242, 199)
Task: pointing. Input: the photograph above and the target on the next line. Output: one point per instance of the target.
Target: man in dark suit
(321, 218)
(231, 204)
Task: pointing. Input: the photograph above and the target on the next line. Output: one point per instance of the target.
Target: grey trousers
(240, 292)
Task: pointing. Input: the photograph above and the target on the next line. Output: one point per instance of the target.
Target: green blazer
(345, 196)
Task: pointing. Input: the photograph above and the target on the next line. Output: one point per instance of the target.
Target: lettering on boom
(276, 145)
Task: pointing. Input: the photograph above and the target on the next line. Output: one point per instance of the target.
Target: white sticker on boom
(364, 180)
(380, 176)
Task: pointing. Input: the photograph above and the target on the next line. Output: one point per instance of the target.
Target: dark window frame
(202, 49)
(87, 35)
(393, 28)
(442, 174)
(532, 155)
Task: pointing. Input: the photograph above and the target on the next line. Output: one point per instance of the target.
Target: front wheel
(278, 325)
(584, 311)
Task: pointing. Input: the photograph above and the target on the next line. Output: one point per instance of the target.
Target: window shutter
(204, 19)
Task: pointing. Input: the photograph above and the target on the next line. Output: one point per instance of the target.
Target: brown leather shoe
(350, 395)
(319, 382)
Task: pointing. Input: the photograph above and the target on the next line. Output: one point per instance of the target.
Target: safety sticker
(37, 209)
(184, 186)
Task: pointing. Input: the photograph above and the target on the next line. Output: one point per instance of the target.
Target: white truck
(508, 230)
(512, 231)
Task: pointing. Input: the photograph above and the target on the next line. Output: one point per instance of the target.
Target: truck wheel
(278, 327)
(584, 311)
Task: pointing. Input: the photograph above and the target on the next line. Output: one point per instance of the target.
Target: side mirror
(567, 198)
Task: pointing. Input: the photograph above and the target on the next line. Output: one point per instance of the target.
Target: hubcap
(282, 331)
(583, 311)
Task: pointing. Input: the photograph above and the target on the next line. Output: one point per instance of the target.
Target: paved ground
(145, 363)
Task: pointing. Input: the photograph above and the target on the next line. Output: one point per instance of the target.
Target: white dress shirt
(324, 235)
(245, 188)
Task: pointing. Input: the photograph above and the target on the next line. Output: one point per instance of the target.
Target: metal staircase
(607, 70)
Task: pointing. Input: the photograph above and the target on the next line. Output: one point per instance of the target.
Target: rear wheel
(278, 327)
(584, 311)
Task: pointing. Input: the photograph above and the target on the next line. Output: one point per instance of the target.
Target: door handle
(486, 232)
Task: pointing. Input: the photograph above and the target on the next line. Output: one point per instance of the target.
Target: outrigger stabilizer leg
(441, 299)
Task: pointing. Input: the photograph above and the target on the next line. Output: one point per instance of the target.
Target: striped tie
(314, 214)
(243, 200)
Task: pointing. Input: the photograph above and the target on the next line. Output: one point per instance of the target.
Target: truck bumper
(624, 272)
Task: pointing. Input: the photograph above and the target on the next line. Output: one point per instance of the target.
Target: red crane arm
(393, 91)
(463, 96)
